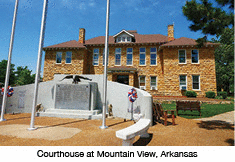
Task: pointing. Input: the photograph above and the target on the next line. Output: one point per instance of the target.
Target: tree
(24, 76)
(219, 22)
(224, 61)
(208, 19)
(3, 67)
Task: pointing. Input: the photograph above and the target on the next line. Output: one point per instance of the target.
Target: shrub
(210, 94)
(191, 94)
(223, 94)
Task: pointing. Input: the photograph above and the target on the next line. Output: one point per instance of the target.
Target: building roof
(139, 39)
(185, 41)
(69, 44)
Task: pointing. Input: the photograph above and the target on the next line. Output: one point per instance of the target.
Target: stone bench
(128, 134)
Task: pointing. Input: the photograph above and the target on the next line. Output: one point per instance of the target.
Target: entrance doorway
(124, 79)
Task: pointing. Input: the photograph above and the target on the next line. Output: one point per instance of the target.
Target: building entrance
(124, 79)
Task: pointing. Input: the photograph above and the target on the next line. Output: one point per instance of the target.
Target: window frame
(153, 53)
(192, 56)
(184, 55)
(144, 87)
(151, 87)
(115, 61)
(61, 54)
(199, 83)
(93, 63)
(66, 56)
(129, 53)
(185, 82)
(141, 53)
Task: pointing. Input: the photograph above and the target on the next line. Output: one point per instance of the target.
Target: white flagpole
(9, 62)
(37, 77)
(105, 69)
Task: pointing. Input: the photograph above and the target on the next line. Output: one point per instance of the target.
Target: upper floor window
(195, 56)
(182, 56)
(123, 39)
(68, 58)
(142, 56)
(129, 56)
(118, 56)
(183, 82)
(153, 56)
(104, 56)
(96, 56)
(196, 82)
(58, 57)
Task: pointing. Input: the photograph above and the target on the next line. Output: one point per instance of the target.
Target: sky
(65, 17)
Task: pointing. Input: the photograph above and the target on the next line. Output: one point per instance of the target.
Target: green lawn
(207, 110)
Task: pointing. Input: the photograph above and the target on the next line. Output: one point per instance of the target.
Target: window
(96, 56)
(196, 82)
(118, 56)
(128, 39)
(104, 56)
(183, 82)
(153, 83)
(142, 56)
(195, 56)
(142, 82)
(129, 56)
(58, 57)
(182, 56)
(119, 39)
(68, 58)
(153, 56)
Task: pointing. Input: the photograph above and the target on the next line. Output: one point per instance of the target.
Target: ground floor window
(196, 82)
(142, 82)
(183, 82)
(58, 57)
(153, 82)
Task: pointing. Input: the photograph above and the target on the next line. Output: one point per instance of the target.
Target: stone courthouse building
(159, 64)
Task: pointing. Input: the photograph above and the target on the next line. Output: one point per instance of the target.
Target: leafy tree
(224, 61)
(3, 67)
(219, 22)
(208, 19)
(24, 76)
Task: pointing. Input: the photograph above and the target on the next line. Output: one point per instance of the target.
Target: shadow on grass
(143, 141)
(215, 124)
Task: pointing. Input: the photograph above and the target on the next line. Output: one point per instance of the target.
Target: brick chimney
(81, 35)
(171, 32)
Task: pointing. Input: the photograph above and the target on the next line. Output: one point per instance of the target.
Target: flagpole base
(31, 129)
(103, 127)
(1, 120)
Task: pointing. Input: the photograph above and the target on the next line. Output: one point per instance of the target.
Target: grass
(207, 110)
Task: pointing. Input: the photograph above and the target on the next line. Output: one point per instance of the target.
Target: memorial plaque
(72, 96)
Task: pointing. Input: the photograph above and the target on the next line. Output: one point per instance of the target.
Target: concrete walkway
(227, 117)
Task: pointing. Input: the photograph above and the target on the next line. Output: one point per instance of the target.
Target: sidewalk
(223, 118)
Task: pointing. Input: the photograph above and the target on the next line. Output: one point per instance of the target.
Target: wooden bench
(158, 112)
(188, 105)
(128, 134)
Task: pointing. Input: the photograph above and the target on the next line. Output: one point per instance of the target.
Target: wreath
(132, 94)
(10, 91)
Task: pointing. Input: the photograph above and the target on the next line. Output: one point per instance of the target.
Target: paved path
(227, 117)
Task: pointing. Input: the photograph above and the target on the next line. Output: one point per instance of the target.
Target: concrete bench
(128, 134)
